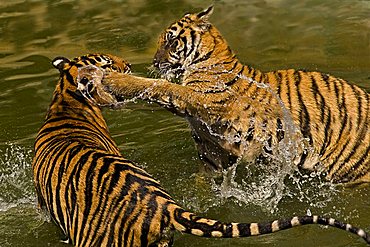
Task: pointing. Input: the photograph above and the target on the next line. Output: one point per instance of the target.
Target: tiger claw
(89, 75)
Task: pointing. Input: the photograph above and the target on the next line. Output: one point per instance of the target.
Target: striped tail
(187, 222)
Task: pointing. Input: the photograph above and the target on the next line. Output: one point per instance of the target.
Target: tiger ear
(205, 14)
(59, 62)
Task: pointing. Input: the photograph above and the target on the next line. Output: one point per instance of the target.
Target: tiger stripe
(220, 97)
(99, 198)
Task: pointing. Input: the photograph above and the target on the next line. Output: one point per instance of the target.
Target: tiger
(238, 112)
(99, 198)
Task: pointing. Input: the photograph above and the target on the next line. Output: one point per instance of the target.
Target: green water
(331, 36)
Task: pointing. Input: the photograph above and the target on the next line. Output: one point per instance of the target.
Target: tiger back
(237, 111)
(99, 198)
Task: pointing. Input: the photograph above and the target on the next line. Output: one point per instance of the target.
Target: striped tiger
(236, 111)
(99, 198)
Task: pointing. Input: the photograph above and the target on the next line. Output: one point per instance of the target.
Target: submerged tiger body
(238, 111)
(99, 198)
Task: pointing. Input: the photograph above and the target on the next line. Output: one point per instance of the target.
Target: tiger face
(184, 44)
(83, 71)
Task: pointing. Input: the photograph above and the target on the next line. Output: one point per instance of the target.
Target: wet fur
(95, 195)
(237, 111)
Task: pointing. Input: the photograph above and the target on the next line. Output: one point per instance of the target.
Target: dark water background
(331, 36)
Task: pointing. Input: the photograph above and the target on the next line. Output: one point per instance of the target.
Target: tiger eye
(175, 43)
(170, 36)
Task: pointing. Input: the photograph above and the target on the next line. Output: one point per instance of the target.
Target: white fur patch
(361, 233)
(275, 226)
(295, 221)
(331, 221)
(216, 234)
(235, 230)
(348, 227)
(197, 232)
(315, 219)
(254, 229)
(57, 62)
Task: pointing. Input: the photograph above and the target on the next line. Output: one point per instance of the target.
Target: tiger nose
(158, 57)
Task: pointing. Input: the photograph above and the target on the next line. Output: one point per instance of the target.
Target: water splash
(259, 182)
(16, 183)
(266, 182)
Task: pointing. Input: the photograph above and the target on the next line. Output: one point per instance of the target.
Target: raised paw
(88, 77)
(128, 86)
(89, 82)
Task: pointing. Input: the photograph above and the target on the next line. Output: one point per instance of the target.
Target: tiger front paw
(124, 86)
(89, 83)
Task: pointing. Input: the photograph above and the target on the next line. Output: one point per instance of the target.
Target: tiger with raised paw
(236, 111)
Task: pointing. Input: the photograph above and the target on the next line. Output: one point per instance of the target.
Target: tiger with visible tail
(237, 111)
(99, 198)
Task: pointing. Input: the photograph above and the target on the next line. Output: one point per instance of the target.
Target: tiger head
(188, 44)
(80, 75)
